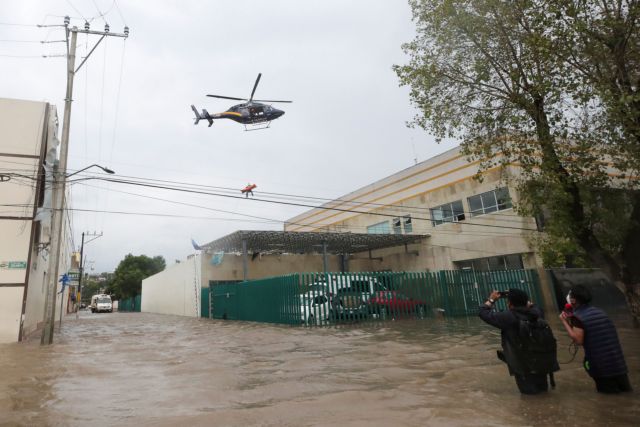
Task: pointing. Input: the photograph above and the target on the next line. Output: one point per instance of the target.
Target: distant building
(28, 149)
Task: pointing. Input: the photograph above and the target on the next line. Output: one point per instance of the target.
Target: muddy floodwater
(139, 369)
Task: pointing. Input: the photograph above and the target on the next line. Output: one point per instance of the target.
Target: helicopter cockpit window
(256, 111)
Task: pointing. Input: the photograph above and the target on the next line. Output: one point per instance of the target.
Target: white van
(101, 302)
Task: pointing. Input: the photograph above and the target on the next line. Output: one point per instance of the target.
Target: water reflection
(145, 369)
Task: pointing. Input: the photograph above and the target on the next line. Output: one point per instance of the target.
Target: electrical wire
(11, 24)
(573, 350)
(217, 194)
(351, 228)
(134, 183)
(404, 209)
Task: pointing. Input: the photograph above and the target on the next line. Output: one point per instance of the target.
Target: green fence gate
(330, 298)
(130, 304)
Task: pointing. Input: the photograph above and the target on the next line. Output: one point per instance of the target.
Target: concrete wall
(231, 267)
(10, 312)
(176, 290)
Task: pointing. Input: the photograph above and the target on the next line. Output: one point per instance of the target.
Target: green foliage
(127, 279)
(90, 287)
(550, 87)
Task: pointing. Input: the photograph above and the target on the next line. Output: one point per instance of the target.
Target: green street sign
(13, 265)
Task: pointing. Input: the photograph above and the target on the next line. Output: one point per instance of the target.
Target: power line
(400, 208)
(61, 55)
(13, 24)
(296, 204)
(276, 220)
(182, 188)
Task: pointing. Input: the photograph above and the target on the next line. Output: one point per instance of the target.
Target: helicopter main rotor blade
(228, 97)
(255, 86)
(266, 100)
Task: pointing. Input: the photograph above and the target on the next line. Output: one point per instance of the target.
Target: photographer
(591, 327)
(529, 360)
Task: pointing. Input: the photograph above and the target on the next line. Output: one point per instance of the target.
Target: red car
(395, 304)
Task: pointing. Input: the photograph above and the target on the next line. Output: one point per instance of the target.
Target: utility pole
(81, 267)
(59, 173)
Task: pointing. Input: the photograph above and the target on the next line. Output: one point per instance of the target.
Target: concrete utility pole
(81, 266)
(59, 173)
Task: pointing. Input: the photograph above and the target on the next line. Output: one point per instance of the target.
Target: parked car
(315, 307)
(393, 303)
(352, 294)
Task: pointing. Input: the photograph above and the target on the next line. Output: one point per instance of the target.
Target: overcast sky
(131, 112)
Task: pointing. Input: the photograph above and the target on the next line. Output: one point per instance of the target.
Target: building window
(491, 201)
(408, 225)
(397, 226)
(379, 228)
(401, 223)
(449, 212)
(495, 263)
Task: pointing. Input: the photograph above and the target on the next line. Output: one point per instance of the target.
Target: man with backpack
(528, 346)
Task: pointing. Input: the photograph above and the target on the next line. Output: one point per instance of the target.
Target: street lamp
(107, 170)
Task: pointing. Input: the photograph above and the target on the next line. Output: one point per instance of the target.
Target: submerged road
(140, 369)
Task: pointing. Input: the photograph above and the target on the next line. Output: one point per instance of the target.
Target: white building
(28, 147)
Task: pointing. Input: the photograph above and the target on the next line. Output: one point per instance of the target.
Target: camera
(503, 294)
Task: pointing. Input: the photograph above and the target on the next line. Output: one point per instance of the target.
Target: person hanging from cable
(248, 190)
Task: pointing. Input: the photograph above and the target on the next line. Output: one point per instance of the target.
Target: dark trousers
(532, 383)
(617, 384)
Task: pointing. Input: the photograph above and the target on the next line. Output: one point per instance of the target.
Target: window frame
(498, 204)
(383, 226)
(457, 215)
(407, 224)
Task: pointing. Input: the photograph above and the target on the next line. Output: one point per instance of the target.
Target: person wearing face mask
(591, 328)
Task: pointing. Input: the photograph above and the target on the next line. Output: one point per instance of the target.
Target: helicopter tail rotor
(207, 117)
(204, 116)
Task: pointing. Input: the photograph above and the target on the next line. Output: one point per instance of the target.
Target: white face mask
(569, 298)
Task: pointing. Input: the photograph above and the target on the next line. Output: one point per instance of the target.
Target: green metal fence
(204, 302)
(331, 298)
(130, 304)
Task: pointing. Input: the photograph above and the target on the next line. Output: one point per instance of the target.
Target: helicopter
(250, 113)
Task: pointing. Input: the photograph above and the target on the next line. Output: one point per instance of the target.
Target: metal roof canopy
(308, 242)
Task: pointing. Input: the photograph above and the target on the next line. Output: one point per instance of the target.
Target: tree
(507, 78)
(90, 287)
(127, 279)
(601, 44)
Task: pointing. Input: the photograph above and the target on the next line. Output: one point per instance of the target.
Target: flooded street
(144, 369)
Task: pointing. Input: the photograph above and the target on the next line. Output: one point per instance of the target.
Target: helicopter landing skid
(256, 126)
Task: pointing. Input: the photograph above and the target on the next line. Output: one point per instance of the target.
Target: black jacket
(508, 322)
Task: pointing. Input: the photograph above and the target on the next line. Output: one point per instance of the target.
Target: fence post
(444, 286)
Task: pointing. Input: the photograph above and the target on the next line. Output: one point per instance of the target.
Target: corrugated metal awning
(309, 242)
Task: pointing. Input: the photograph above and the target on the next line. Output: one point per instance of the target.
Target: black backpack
(537, 345)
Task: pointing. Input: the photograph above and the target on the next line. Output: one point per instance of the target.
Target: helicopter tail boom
(204, 116)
